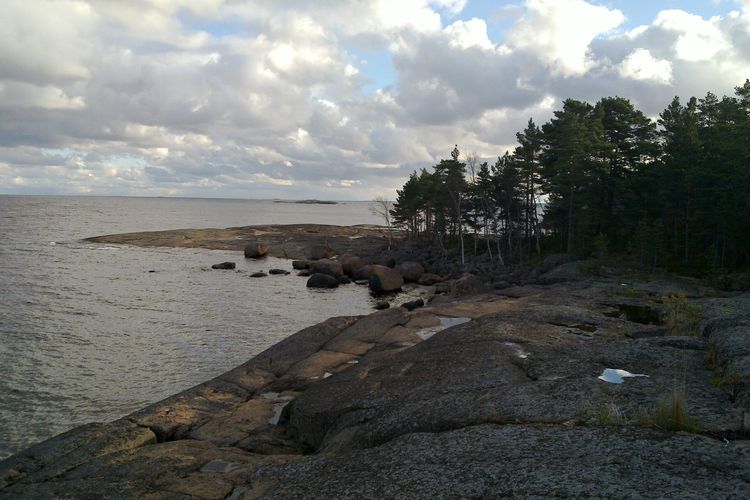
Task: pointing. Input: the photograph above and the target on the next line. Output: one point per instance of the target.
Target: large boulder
(363, 273)
(467, 285)
(570, 271)
(552, 261)
(428, 279)
(386, 261)
(322, 281)
(384, 279)
(317, 252)
(326, 266)
(411, 271)
(350, 263)
(256, 250)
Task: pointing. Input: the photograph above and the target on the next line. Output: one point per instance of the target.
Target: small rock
(414, 304)
(256, 250)
(344, 280)
(500, 285)
(259, 274)
(322, 281)
(278, 271)
(224, 265)
(300, 264)
(382, 305)
(384, 279)
(304, 273)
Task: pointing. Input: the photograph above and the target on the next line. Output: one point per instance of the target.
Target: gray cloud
(110, 97)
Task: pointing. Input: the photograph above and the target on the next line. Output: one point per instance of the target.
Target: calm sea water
(87, 333)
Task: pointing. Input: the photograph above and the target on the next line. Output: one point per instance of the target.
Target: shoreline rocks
(256, 250)
(411, 271)
(385, 279)
(326, 266)
(459, 397)
(320, 280)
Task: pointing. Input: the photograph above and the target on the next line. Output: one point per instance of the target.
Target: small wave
(53, 243)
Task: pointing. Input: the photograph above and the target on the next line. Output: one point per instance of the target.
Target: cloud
(471, 33)
(559, 32)
(641, 65)
(225, 98)
(698, 39)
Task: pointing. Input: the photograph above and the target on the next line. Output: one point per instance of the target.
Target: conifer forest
(596, 180)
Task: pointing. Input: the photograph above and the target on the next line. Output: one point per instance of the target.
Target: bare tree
(472, 163)
(381, 207)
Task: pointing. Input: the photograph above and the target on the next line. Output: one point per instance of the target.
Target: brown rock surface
(366, 407)
(384, 279)
(290, 241)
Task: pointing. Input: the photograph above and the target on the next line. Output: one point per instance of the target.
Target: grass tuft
(670, 413)
(682, 317)
(731, 384)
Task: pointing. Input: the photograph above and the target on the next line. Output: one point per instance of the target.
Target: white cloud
(641, 65)
(698, 39)
(471, 33)
(559, 32)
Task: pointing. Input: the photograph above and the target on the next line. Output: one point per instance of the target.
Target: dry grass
(671, 414)
(682, 317)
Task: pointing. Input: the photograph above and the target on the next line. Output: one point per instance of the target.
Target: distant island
(308, 202)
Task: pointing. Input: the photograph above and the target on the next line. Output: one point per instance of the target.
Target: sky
(329, 99)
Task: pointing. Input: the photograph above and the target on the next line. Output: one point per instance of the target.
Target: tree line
(599, 179)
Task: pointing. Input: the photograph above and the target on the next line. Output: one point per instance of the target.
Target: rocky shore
(286, 241)
(577, 383)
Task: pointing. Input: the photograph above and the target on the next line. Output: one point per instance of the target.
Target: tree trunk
(570, 222)
(687, 231)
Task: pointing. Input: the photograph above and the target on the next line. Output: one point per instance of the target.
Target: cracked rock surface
(506, 402)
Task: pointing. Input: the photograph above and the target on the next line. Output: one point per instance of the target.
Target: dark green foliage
(610, 181)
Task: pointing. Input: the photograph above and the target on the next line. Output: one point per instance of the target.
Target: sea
(91, 332)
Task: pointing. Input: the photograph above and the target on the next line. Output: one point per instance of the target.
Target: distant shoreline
(285, 240)
(308, 202)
